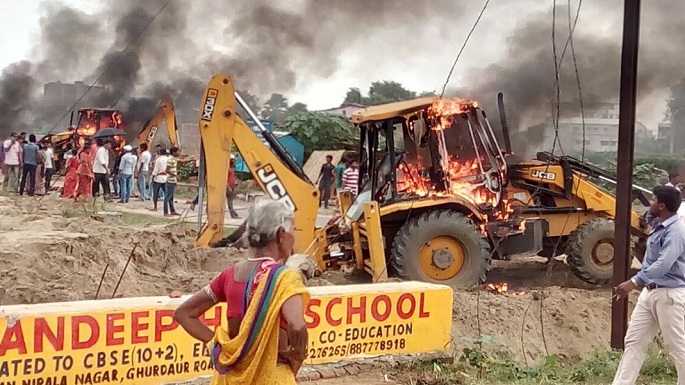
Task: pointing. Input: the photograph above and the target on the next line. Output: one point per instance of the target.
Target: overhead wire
(109, 66)
(449, 76)
(571, 29)
(555, 117)
(463, 46)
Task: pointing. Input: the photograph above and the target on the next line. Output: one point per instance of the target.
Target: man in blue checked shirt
(661, 305)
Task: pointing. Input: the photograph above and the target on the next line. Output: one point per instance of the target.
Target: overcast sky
(415, 52)
(359, 65)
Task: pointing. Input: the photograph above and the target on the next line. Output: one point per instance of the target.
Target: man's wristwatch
(634, 281)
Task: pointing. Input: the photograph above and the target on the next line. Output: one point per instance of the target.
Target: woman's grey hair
(266, 217)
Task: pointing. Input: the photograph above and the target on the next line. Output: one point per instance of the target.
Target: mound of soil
(46, 256)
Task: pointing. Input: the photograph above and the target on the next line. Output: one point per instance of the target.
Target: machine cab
(91, 120)
(428, 147)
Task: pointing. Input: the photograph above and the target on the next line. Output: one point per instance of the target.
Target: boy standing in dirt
(326, 179)
(159, 177)
(171, 181)
(661, 305)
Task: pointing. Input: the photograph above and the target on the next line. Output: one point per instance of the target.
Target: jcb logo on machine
(209, 105)
(544, 175)
(153, 132)
(273, 186)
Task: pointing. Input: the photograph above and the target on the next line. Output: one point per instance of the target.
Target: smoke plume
(274, 47)
(16, 85)
(526, 73)
(265, 47)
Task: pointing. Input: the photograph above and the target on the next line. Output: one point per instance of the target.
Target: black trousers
(325, 194)
(30, 171)
(48, 178)
(101, 180)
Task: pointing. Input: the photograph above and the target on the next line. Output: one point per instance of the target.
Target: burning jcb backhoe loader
(89, 121)
(166, 112)
(580, 214)
(433, 213)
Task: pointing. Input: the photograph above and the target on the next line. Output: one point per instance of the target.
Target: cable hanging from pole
(463, 46)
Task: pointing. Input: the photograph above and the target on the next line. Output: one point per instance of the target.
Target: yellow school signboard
(136, 340)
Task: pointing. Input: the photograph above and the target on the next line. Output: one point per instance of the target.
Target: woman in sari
(85, 174)
(71, 175)
(266, 339)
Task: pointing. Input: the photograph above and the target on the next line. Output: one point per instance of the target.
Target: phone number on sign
(356, 348)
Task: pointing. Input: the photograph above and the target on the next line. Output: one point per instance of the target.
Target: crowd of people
(334, 179)
(93, 169)
(27, 166)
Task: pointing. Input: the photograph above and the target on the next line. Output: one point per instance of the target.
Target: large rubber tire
(419, 231)
(582, 253)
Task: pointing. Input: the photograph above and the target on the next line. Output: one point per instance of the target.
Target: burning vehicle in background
(89, 121)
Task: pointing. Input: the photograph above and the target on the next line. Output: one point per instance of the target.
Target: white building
(601, 131)
(345, 109)
(665, 136)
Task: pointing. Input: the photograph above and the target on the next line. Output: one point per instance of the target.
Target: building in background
(665, 137)
(601, 131)
(59, 98)
(345, 109)
(66, 93)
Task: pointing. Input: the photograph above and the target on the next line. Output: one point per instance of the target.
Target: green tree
(297, 107)
(381, 92)
(388, 91)
(354, 95)
(319, 131)
(276, 109)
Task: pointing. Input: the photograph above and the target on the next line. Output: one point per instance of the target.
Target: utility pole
(624, 172)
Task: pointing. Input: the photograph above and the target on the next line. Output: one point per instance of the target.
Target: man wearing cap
(126, 169)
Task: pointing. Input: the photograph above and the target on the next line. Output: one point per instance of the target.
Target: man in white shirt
(159, 177)
(127, 167)
(101, 168)
(142, 172)
(49, 166)
(350, 179)
(13, 153)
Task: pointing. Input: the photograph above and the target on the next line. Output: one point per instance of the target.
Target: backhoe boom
(220, 129)
(165, 112)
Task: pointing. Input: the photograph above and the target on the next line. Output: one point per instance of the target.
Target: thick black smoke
(265, 47)
(16, 86)
(526, 73)
(268, 47)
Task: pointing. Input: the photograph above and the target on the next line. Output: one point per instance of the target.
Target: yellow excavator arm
(271, 167)
(165, 112)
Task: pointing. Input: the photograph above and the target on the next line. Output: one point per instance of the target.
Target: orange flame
(463, 178)
(502, 288)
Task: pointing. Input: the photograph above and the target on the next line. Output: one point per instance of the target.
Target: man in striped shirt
(350, 178)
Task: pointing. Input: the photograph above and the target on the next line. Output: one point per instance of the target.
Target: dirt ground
(49, 252)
